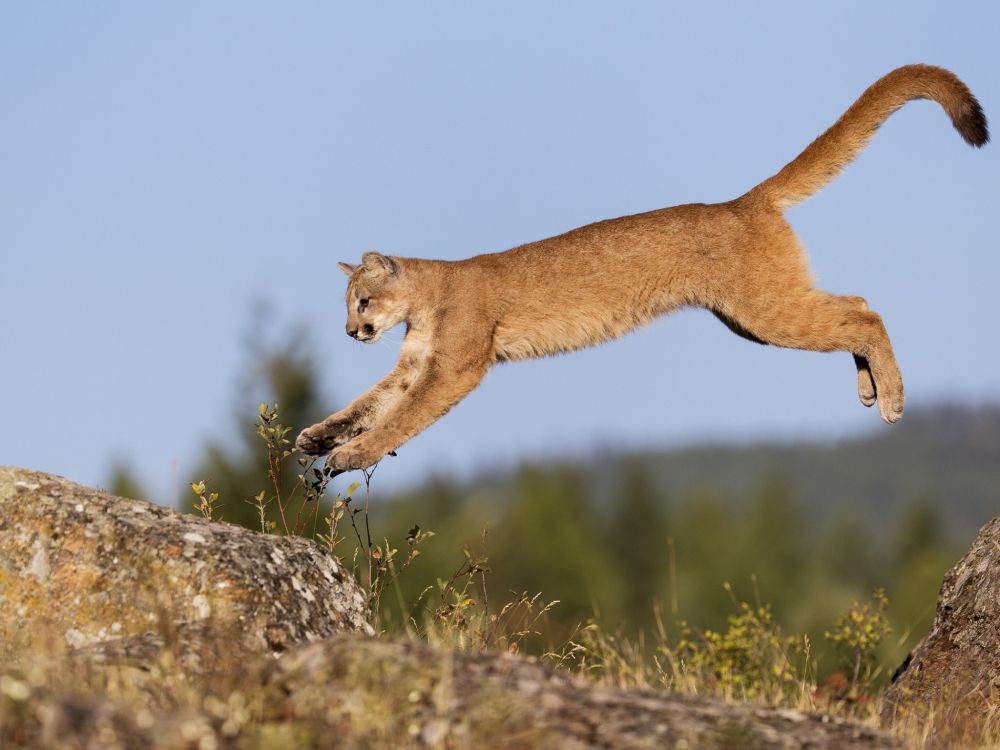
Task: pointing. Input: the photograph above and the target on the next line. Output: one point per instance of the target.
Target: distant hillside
(947, 456)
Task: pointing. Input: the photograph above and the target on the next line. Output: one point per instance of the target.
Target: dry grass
(196, 690)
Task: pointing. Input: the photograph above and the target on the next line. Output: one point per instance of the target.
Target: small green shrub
(856, 637)
(751, 659)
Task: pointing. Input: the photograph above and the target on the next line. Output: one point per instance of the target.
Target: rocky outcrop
(84, 567)
(62, 720)
(350, 693)
(409, 694)
(954, 672)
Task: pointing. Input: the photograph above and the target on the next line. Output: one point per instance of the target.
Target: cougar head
(375, 300)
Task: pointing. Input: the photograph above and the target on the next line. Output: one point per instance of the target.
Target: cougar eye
(362, 305)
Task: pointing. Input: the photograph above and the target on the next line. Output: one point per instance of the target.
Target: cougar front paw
(321, 438)
(342, 429)
(355, 455)
(314, 441)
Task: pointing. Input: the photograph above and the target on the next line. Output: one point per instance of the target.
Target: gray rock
(410, 694)
(83, 567)
(355, 693)
(952, 676)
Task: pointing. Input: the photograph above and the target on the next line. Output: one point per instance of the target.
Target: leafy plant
(857, 636)
(208, 504)
(377, 566)
(750, 659)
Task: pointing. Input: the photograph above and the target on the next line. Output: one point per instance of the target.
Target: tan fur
(740, 259)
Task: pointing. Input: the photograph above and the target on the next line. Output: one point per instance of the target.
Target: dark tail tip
(971, 123)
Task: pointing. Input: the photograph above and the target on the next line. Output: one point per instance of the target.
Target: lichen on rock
(86, 567)
(392, 692)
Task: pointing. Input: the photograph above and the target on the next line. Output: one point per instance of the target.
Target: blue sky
(164, 165)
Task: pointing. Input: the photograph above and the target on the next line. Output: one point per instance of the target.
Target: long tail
(827, 155)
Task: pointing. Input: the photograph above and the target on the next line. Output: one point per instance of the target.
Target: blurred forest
(808, 528)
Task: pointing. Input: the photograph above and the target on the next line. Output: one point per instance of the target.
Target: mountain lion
(740, 260)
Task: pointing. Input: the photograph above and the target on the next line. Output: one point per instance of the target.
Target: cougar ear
(378, 263)
(346, 268)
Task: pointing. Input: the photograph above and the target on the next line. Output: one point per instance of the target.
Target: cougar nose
(352, 332)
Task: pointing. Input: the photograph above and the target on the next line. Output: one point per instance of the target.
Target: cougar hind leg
(817, 321)
(866, 383)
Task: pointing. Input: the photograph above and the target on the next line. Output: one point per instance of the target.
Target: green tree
(123, 482)
(848, 556)
(773, 546)
(636, 537)
(279, 369)
(550, 542)
(921, 557)
(921, 530)
(706, 536)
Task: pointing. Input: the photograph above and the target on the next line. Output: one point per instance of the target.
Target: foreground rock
(124, 582)
(351, 693)
(953, 675)
(411, 694)
(83, 567)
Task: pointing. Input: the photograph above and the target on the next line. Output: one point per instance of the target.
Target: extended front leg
(441, 385)
(354, 418)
